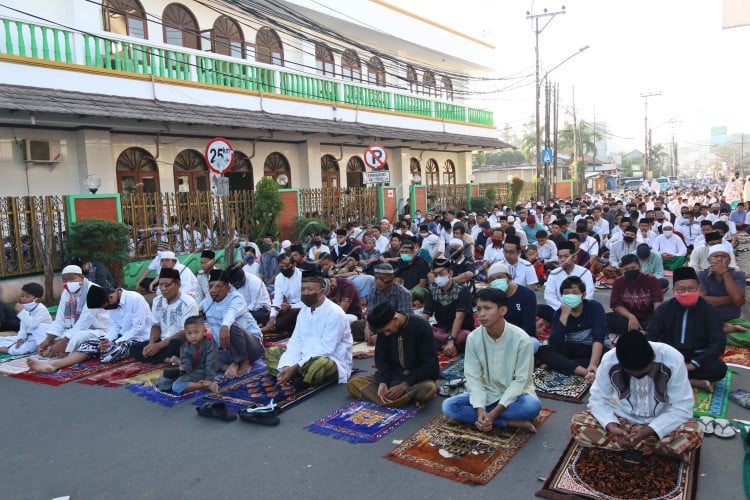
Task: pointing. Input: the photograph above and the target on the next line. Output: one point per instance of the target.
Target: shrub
(516, 186)
(265, 211)
(100, 240)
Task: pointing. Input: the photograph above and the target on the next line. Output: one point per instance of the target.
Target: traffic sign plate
(376, 157)
(547, 155)
(219, 155)
(383, 177)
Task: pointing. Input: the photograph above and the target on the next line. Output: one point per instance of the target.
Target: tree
(265, 211)
(100, 240)
(658, 158)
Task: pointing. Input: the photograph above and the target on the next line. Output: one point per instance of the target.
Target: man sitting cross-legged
(635, 296)
(320, 350)
(640, 400)
(690, 324)
(404, 357)
(498, 367)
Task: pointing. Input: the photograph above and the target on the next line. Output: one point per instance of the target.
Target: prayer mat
(15, 366)
(276, 343)
(734, 356)
(462, 452)
(148, 389)
(713, 404)
(5, 358)
(362, 422)
(275, 337)
(451, 368)
(258, 390)
(121, 375)
(746, 462)
(599, 474)
(360, 350)
(76, 372)
(555, 385)
(739, 339)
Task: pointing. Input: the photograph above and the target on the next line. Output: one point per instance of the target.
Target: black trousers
(172, 349)
(713, 371)
(618, 324)
(567, 359)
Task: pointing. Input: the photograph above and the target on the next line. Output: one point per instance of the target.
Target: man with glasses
(168, 314)
(693, 326)
(566, 255)
(521, 271)
(405, 358)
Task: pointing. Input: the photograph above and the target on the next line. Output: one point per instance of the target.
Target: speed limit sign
(219, 155)
(376, 157)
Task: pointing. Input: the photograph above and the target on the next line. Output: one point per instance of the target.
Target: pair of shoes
(719, 427)
(299, 384)
(452, 387)
(601, 286)
(216, 410)
(263, 415)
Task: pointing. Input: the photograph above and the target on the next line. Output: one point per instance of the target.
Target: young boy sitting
(532, 255)
(35, 320)
(197, 359)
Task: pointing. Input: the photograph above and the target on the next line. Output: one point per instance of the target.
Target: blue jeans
(526, 407)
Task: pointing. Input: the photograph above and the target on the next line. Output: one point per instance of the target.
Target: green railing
(20, 38)
(308, 87)
(366, 97)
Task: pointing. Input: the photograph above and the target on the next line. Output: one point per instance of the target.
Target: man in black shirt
(451, 304)
(412, 270)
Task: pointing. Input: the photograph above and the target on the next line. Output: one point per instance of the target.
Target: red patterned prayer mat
(121, 375)
(76, 372)
(460, 451)
(739, 356)
(451, 368)
(599, 474)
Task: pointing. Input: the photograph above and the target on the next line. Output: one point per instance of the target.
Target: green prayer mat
(5, 357)
(746, 462)
(739, 339)
(713, 404)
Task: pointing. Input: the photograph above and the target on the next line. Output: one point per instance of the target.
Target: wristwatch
(451, 337)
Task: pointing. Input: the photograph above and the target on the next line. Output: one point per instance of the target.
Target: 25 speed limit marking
(219, 155)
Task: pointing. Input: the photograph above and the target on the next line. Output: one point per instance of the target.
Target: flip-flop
(216, 410)
(706, 424)
(723, 428)
(266, 419)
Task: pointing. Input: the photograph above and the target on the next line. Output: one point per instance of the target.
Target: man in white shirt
(566, 254)
(381, 242)
(601, 226)
(287, 298)
(493, 251)
(320, 350)
(645, 234)
(208, 262)
(521, 271)
(671, 248)
(188, 281)
(253, 290)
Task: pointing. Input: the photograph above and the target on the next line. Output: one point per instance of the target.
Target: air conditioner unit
(41, 151)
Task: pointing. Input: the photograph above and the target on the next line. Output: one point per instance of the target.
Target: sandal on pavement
(723, 428)
(216, 410)
(267, 419)
(706, 424)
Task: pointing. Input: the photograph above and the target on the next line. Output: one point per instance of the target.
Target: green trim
(413, 199)
(296, 192)
(381, 200)
(132, 270)
(70, 204)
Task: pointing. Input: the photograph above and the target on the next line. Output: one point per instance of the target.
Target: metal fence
(501, 192)
(187, 222)
(31, 226)
(447, 197)
(336, 207)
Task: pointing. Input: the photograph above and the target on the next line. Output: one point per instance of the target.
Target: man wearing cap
(405, 358)
(168, 314)
(188, 281)
(320, 350)
(699, 255)
(641, 400)
(253, 291)
(385, 290)
(566, 255)
(463, 268)
(451, 304)
(690, 324)
(723, 286)
(671, 248)
(93, 324)
(520, 300)
(286, 302)
(531, 228)
(431, 242)
(412, 270)
(208, 262)
(234, 329)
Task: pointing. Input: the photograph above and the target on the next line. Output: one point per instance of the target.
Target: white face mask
(73, 286)
(441, 281)
(30, 305)
(667, 233)
(723, 218)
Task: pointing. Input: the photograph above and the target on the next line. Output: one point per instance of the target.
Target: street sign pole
(220, 158)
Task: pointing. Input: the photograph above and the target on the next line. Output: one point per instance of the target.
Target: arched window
(376, 72)
(276, 166)
(351, 68)
(411, 78)
(324, 62)
(415, 168)
(329, 171)
(268, 48)
(241, 173)
(428, 83)
(447, 88)
(354, 169)
(449, 172)
(125, 17)
(180, 27)
(227, 37)
(432, 173)
(190, 172)
(137, 172)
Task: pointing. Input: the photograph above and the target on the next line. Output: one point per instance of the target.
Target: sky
(676, 47)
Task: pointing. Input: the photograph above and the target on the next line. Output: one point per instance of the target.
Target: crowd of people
(454, 282)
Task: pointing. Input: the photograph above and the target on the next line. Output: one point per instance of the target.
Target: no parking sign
(376, 157)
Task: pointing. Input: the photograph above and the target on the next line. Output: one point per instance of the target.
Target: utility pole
(537, 31)
(646, 155)
(576, 180)
(556, 105)
(547, 102)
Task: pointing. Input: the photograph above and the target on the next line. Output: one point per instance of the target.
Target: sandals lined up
(262, 415)
(719, 427)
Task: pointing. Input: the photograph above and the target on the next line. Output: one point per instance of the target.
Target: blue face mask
(500, 284)
(249, 260)
(237, 286)
(406, 257)
(572, 300)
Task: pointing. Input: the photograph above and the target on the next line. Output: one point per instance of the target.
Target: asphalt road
(101, 443)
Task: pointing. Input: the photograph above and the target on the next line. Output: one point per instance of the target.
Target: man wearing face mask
(566, 254)
(287, 301)
(641, 400)
(690, 228)
(412, 270)
(494, 249)
(253, 291)
(463, 268)
(521, 301)
(690, 324)
(320, 350)
(627, 245)
(671, 248)
(318, 247)
(635, 296)
(451, 304)
(576, 342)
(269, 261)
(343, 247)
